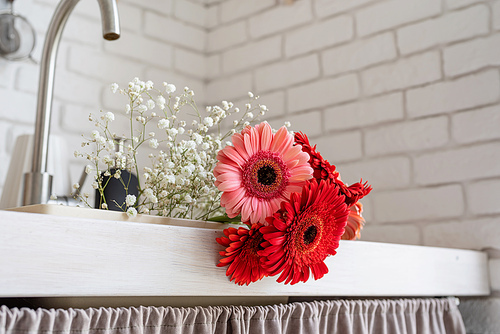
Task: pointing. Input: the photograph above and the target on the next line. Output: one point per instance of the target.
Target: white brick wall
(448, 96)
(390, 14)
(404, 73)
(448, 28)
(353, 56)
(404, 93)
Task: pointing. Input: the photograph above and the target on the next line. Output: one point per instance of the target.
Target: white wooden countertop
(55, 255)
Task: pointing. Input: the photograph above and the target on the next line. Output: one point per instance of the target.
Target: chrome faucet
(38, 182)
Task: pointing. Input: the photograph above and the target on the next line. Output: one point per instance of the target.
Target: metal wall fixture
(17, 36)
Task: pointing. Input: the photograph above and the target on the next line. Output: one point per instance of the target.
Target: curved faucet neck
(111, 31)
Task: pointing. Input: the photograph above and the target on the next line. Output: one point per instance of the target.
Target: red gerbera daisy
(241, 254)
(322, 168)
(324, 171)
(304, 232)
(355, 222)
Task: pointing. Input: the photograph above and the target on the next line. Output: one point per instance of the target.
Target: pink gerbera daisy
(260, 171)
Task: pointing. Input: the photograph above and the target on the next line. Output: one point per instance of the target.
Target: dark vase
(115, 191)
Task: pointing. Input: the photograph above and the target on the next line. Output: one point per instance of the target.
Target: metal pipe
(38, 183)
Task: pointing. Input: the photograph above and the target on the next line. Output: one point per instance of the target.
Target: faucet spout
(110, 20)
(38, 183)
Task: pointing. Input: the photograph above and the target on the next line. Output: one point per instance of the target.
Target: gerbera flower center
(265, 175)
(310, 234)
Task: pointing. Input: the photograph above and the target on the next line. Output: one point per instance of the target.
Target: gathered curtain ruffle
(377, 316)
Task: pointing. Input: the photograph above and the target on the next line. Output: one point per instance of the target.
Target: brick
(228, 88)
(470, 56)
(226, 36)
(483, 197)
(4, 130)
(365, 112)
(275, 102)
(21, 106)
(407, 136)
(458, 165)
(381, 173)
(75, 118)
(130, 16)
(145, 50)
(192, 63)
(375, 18)
(494, 266)
(172, 31)
(452, 27)
(452, 4)
(469, 234)
(476, 125)
(236, 10)
(74, 88)
(179, 80)
(108, 68)
(285, 74)
(332, 32)
(280, 18)
(323, 93)
(398, 234)
(8, 72)
(160, 6)
(325, 8)
(340, 147)
(496, 15)
(467, 92)
(419, 204)
(212, 17)
(359, 54)
(251, 55)
(39, 15)
(83, 30)
(190, 12)
(213, 69)
(309, 122)
(404, 73)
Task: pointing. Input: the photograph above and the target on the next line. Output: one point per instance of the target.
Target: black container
(115, 191)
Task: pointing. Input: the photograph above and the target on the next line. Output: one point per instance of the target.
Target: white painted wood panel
(47, 255)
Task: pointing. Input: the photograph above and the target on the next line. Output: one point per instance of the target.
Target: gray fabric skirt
(377, 316)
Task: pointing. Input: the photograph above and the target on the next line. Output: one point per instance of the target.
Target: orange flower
(355, 222)
(304, 232)
(241, 254)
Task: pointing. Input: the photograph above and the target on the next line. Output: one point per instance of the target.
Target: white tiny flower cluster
(180, 181)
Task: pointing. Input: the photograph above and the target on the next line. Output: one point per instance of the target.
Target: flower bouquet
(290, 203)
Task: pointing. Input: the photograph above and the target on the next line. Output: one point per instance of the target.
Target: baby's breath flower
(151, 104)
(208, 121)
(109, 116)
(288, 124)
(153, 143)
(130, 200)
(163, 123)
(114, 87)
(170, 88)
(104, 206)
(132, 212)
